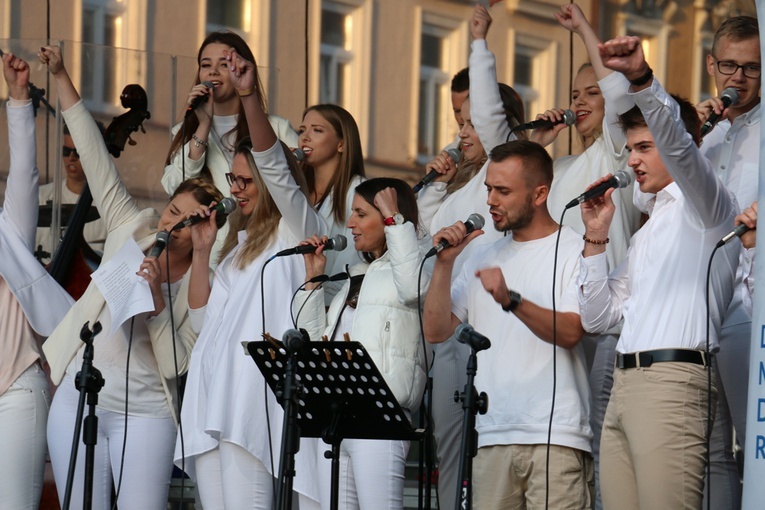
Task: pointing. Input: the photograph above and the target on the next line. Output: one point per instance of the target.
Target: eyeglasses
(241, 182)
(67, 151)
(729, 68)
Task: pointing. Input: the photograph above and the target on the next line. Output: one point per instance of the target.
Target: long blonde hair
(262, 224)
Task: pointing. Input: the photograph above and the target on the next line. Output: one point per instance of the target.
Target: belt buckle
(640, 363)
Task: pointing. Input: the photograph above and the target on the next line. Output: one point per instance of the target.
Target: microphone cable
(425, 460)
(265, 383)
(555, 361)
(707, 354)
(124, 431)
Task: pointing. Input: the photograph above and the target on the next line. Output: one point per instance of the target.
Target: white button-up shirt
(659, 289)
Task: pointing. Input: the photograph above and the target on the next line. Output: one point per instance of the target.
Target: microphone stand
(89, 382)
(289, 395)
(472, 404)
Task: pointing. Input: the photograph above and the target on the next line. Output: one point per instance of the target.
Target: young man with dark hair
(653, 445)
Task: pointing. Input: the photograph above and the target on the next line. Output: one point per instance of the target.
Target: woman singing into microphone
(379, 309)
(231, 420)
(140, 397)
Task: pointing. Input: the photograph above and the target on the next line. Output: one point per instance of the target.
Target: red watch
(395, 219)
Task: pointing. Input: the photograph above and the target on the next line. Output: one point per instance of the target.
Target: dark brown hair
(537, 163)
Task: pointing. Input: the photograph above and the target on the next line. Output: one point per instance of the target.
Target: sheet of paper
(126, 293)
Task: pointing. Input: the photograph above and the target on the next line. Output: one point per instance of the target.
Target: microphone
(163, 237)
(620, 179)
(474, 222)
(294, 340)
(467, 335)
(199, 99)
(336, 243)
(729, 96)
(453, 153)
(299, 154)
(226, 207)
(736, 232)
(326, 278)
(569, 118)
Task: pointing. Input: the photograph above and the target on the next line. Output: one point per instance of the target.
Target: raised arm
(301, 218)
(20, 206)
(692, 172)
(114, 203)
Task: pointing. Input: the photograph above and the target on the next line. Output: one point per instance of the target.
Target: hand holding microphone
(620, 179)
(224, 208)
(200, 97)
(444, 163)
(746, 228)
(728, 97)
(456, 234)
(567, 117)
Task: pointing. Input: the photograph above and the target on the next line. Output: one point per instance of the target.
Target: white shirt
(659, 288)
(517, 371)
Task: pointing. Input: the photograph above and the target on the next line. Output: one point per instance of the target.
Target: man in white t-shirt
(518, 370)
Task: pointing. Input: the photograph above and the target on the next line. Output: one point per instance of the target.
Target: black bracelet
(643, 79)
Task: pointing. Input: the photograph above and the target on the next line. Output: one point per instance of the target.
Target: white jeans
(23, 414)
(231, 477)
(371, 474)
(148, 455)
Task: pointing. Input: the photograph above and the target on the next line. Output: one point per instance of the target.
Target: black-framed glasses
(241, 182)
(69, 151)
(728, 68)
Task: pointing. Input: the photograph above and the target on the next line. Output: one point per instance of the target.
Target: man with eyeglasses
(73, 184)
(733, 147)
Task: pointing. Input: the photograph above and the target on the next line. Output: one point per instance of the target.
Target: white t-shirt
(517, 371)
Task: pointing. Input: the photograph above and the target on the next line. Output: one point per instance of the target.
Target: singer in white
(653, 446)
(231, 420)
(378, 307)
(732, 144)
(147, 391)
(205, 146)
(504, 290)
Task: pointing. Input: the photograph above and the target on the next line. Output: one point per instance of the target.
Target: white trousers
(371, 474)
(148, 455)
(23, 415)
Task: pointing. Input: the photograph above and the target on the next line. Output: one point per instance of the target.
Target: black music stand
(342, 395)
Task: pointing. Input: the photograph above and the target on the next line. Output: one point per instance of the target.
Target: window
(434, 90)
(534, 70)
(232, 14)
(336, 55)
(102, 26)
(526, 73)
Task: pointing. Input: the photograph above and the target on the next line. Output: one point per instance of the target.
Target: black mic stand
(289, 396)
(89, 382)
(472, 404)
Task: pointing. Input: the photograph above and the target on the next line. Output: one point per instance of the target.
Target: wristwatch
(395, 219)
(515, 300)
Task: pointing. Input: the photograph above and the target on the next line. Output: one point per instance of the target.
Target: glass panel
(333, 28)
(523, 69)
(227, 13)
(431, 51)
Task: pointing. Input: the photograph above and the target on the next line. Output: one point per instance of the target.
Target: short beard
(521, 220)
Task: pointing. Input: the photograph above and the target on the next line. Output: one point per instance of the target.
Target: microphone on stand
(336, 243)
(199, 99)
(620, 179)
(225, 207)
(433, 174)
(568, 119)
(469, 336)
(729, 96)
(474, 222)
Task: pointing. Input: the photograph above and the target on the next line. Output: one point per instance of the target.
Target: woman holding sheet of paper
(141, 360)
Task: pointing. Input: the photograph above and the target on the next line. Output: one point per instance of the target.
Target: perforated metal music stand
(343, 395)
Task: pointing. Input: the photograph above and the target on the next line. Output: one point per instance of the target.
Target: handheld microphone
(336, 243)
(326, 278)
(736, 232)
(299, 154)
(199, 99)
(729, 96)
(163, 237)
(225, 207)
(467, 335)
(431, 176)
(620, 179)
(568, 119)
(474, 222)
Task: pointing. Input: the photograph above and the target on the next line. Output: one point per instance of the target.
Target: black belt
(648, 358)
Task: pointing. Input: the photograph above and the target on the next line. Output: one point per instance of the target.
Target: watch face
(398, 219)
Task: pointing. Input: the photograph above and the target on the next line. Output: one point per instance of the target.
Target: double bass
(71, 264)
